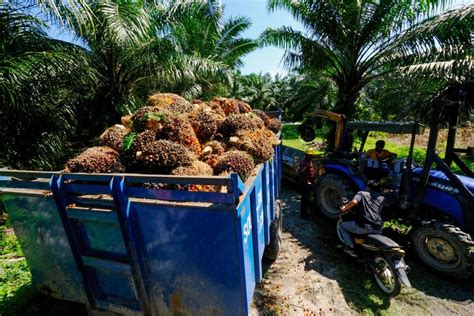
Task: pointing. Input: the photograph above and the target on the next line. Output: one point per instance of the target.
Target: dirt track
(313, 276)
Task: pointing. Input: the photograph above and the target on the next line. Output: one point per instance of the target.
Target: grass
(419, 153)
(14, 271)
(297, 143)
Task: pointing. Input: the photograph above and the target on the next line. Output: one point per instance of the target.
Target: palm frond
(124, 21)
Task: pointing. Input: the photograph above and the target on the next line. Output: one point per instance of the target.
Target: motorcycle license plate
(400, 265)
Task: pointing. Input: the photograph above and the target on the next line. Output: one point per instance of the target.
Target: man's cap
(311, 151)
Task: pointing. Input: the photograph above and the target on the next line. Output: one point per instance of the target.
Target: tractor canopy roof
(387, 127)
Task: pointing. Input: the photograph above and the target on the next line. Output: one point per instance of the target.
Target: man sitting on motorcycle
(368, 219)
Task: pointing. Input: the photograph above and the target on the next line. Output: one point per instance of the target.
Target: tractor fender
(444, 203)
(341, 169)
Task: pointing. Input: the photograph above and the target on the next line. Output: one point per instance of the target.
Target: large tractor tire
(330, 190)
(276, 230)
(445, 248)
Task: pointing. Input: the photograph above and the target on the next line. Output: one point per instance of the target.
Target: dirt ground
(312, 276)
(464, 138)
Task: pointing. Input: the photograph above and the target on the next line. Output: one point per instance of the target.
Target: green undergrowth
(419, 153)
(14, 271)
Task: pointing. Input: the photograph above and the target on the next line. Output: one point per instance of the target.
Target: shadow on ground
(359, 289)
(27, 300)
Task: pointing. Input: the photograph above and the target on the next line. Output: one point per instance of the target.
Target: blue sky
(268, 59)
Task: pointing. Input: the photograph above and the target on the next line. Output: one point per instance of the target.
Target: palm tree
(301, 93)
(200, 31)
(357, 41)
(41, 83)
(258, 90)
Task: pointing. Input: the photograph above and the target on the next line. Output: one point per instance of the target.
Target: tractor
(437, 204)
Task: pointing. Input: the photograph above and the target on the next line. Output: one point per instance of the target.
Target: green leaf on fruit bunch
(160, 117)
(127, 142)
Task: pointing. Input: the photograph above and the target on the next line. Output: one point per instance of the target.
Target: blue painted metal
(266, 202)
(446, 202)
(247, 261)
(358, 181)
(180, 196)
(271, 177)
(61, 203)
(258, 222)
(440, 176)
(137, 248)
(122, 207)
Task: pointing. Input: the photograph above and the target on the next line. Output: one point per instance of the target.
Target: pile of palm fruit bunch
(173, 136)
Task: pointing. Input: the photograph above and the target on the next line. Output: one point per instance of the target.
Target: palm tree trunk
(347, 95)
(346, 100)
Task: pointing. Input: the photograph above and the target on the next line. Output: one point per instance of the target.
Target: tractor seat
(439, 175)
(378, 239)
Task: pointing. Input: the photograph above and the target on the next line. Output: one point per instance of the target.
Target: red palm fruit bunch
(256, 143)
(135, 143)
(239, 122)
(166, 125)
(231, 106)
(149, 118)
(262, 115)
(113, 137)
(179, 130)
(162, 156)
(236, 161)
(205, 122)
(197, 168)
(171, 102)
(274, 125)
(96, 160)
(211, 151)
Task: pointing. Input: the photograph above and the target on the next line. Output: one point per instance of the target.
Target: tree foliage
(56, 97)
(355, 42)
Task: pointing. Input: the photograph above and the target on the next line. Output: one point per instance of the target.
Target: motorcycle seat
(381, 240)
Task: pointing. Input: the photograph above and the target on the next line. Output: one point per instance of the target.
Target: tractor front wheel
(330, 190)
(445, 248)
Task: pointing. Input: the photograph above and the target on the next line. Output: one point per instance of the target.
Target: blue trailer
(110, 242)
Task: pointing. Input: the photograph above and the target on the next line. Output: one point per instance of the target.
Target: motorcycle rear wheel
(386, 276)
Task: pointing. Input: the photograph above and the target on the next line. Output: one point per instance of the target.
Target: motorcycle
(382, 256)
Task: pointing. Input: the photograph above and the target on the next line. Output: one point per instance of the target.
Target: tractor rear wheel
(445, 248)
(276, 230)
(330, 190)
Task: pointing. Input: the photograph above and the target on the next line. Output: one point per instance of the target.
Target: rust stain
(177, 307)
